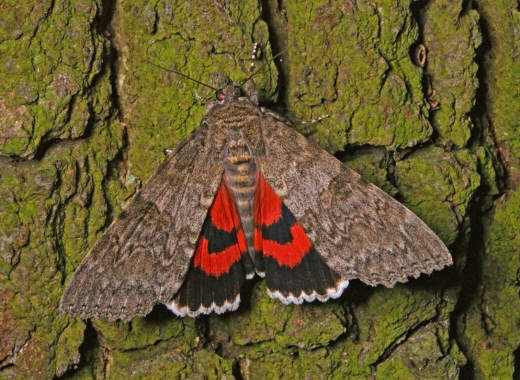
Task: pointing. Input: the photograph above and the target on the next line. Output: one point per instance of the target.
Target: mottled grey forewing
(361, 232)
(144, 255)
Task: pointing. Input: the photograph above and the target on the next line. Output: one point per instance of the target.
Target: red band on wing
(216, 264)
(223, 212)
(268, 213)
(222, 225)
(290, 254)
(268, 205)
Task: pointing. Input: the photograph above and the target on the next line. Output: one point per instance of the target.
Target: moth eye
(220, 95)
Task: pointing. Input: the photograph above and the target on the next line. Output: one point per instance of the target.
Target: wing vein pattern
(144, 255)
(360, 231)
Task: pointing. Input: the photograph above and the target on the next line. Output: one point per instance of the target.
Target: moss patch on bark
(87, 115)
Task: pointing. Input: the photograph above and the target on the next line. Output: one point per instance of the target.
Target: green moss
(142, 332)
(453, 82)
(302, 335)
(50, 197)
(63, 51)
(16, 128)
(338, 71)
(487, 161)
(314, 365)
(421, 357)
(371, 164)
(211, 366)
(438, 187)
(502, 75)
(259, 319)
(151, 364)
(311, 326)
(384, 319)
(489, 325)
(267, 320)
(67, 349)
(165, 361)
(351, 61)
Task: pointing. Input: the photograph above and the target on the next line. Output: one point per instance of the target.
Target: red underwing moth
(246, 195)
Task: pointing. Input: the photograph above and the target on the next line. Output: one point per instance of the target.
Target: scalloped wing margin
(360, 231)
(143, 257)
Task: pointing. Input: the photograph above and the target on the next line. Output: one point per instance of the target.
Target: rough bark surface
(424, 101)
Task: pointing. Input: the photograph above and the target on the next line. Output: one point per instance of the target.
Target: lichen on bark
(88, 113)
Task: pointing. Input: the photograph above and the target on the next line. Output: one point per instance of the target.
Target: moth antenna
(181, 74)
(261, 67)
(202, 99)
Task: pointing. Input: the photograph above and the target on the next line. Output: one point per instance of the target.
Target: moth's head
(228, 93)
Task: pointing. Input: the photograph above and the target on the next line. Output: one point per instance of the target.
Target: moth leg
(306, 128)
(314, 121)
(275, 115)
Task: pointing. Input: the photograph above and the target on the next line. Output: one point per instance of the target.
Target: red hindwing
(277, 234)
(222, 225)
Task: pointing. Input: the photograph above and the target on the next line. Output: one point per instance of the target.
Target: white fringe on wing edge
(250, 276)
(185, 310)
(291, 298)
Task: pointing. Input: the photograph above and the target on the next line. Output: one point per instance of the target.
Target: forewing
(360, 231)
(220, 264)
(144, 255)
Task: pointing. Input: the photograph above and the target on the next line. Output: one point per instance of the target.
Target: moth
(245, 195)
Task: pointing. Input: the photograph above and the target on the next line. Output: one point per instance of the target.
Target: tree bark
(423, 99)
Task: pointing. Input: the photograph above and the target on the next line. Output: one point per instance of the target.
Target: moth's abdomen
(241, 178)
